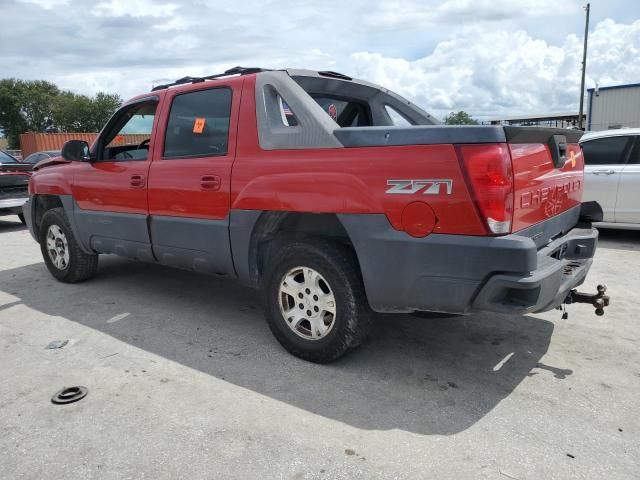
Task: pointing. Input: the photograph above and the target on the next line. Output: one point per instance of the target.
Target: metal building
(613, 107)
(557, 120)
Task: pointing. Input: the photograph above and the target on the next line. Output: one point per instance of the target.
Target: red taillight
(490, 175)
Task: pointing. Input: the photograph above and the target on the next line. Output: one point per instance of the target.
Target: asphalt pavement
(185, 380)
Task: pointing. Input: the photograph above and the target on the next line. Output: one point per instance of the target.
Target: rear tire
(61, 252)
(315, 301)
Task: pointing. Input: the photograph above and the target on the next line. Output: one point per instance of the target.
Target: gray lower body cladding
(201, 245)
(195, 244)
(531, 271)
(465, 274)
(124, 234)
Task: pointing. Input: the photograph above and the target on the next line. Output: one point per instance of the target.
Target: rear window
(5, 158)
(34, 158)
(198, 124)
(606, 151)
(345, 112)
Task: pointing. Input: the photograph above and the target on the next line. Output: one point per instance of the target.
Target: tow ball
(598, 300)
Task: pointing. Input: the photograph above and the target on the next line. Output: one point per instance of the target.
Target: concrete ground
(186, 381)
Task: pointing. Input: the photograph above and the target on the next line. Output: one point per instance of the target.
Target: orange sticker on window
(198, 125)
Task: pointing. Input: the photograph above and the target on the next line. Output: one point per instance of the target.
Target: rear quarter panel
(346, 180)
(354, 180)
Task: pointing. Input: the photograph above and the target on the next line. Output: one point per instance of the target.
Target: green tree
(79, 113)
(103, 105)
(460, 118)
(35, 105)
(25, 106)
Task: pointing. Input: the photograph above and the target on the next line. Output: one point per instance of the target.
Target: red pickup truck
(333, 196)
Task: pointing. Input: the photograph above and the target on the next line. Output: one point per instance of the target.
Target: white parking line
(502, 362)
(117, 318)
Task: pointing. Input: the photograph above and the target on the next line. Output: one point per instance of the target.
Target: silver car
(612, 175)
(37, 156)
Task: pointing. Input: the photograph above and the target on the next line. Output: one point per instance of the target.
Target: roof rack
(329, 73)
(231, 71)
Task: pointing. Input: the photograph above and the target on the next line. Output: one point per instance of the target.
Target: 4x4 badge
(430, 186)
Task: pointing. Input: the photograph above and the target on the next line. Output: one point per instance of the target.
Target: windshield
(6, 158)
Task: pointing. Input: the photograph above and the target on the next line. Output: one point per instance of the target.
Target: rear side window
(198, 124)
(606, 151)
(287, 116)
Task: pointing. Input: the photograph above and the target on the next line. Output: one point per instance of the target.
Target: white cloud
(500, 73)
(403, 13)
(488, 57)
(614, 50)
(174, 23)
(134, 8)
(47, 4)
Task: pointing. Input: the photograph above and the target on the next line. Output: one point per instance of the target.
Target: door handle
(137, 181)
(604, 172)
(210, 182)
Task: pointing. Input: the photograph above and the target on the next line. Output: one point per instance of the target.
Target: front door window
(129, 135)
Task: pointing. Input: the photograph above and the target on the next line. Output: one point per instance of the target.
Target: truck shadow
(619, 239)
(427, 376)
(8, 225)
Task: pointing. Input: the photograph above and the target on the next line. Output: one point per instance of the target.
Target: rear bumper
(465, 274)
(12, 205)
(562, 266)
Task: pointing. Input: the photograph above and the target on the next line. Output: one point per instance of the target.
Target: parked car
(612, 175)
(37, 156)
(307, 191)
(14, 179)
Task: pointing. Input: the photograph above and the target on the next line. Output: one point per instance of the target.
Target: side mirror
(76, 151)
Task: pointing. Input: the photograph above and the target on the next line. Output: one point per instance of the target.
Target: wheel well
(291, 225)
(43, 203)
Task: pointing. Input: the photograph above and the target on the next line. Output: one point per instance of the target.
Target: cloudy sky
(489, 57)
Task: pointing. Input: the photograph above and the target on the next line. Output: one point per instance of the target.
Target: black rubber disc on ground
(69, 395)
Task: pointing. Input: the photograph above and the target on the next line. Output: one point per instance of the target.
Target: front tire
(62, 255)
(315, 301)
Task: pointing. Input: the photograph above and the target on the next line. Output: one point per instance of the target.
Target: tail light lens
(490, 175)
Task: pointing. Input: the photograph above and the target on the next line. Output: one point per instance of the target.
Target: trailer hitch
(598, 300)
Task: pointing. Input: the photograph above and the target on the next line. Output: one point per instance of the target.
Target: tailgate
(548, 171)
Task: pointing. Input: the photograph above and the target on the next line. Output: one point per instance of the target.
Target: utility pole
(584, 66)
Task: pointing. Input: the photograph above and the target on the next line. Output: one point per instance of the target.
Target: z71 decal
(429, 186)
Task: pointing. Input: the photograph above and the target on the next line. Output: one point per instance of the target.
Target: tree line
(38, 105)
(460, 118)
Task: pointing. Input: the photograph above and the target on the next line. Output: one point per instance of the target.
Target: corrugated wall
(37, 142)
(614, 108)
